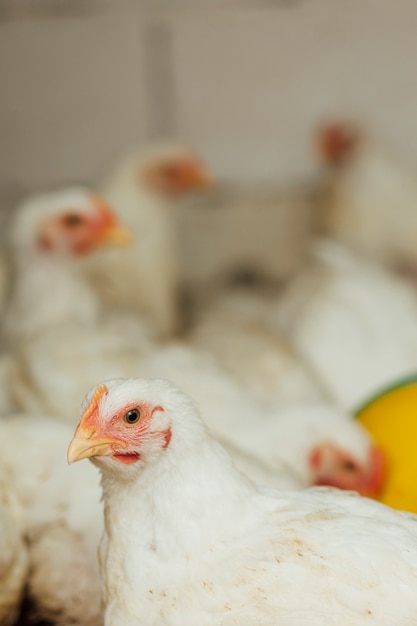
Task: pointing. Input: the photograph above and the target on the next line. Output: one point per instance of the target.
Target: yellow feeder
(391, 418)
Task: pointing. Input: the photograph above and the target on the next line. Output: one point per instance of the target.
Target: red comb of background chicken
(336, 141)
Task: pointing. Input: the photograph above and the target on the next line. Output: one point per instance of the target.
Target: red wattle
(126, 458)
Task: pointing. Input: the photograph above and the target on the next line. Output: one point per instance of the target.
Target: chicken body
(14, 559)
(152, 262)
(178, 553)
(51, 371)
(235, 329)
(4, 279)
(40, 253)
(144, 278)
(354, 324)
(369, 198)
(60, 518)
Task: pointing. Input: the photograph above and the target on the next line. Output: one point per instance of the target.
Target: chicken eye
(72, 220)
(349, 466)
(132, 416)
(170, 170)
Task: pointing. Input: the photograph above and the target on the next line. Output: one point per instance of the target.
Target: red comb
(95, 401)
(337, 141)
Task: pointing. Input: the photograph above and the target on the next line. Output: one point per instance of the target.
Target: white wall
(80, 81)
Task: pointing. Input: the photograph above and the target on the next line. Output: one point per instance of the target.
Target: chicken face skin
(136, 432)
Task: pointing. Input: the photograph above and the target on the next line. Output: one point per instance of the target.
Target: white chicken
(4, 261)
(143, 189)
(14, 559)
(370, 198)
(50, 234)
(4, 280)
(189, 540)
(61, 518)
(7, 403)
(234, 327)
(353, 323)
(53, 315)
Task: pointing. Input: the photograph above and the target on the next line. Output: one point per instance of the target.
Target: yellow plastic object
(391, 418)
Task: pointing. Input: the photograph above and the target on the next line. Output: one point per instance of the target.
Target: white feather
(60, 516)
(354, 324)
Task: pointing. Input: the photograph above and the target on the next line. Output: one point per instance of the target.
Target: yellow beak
(109, 229)
(84, 445)
(203, 180)
(116, 234)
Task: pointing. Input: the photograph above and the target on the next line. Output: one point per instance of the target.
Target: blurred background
(245, 83)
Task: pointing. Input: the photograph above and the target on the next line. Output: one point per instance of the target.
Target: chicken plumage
(60, 519)
(143, 189)
(189, 540)
(50, 234)
(14, 558)
(234, 328)
(353, 323)
(369, 196)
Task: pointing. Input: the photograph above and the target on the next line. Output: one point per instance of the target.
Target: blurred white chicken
(54, 320)
(4, 260)
(4, 280)
(370, 198)
(234, 327)
(353, 323)
(189, 540)
(61, 518)
(14, 559)
(143, 278)
(50, 235)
